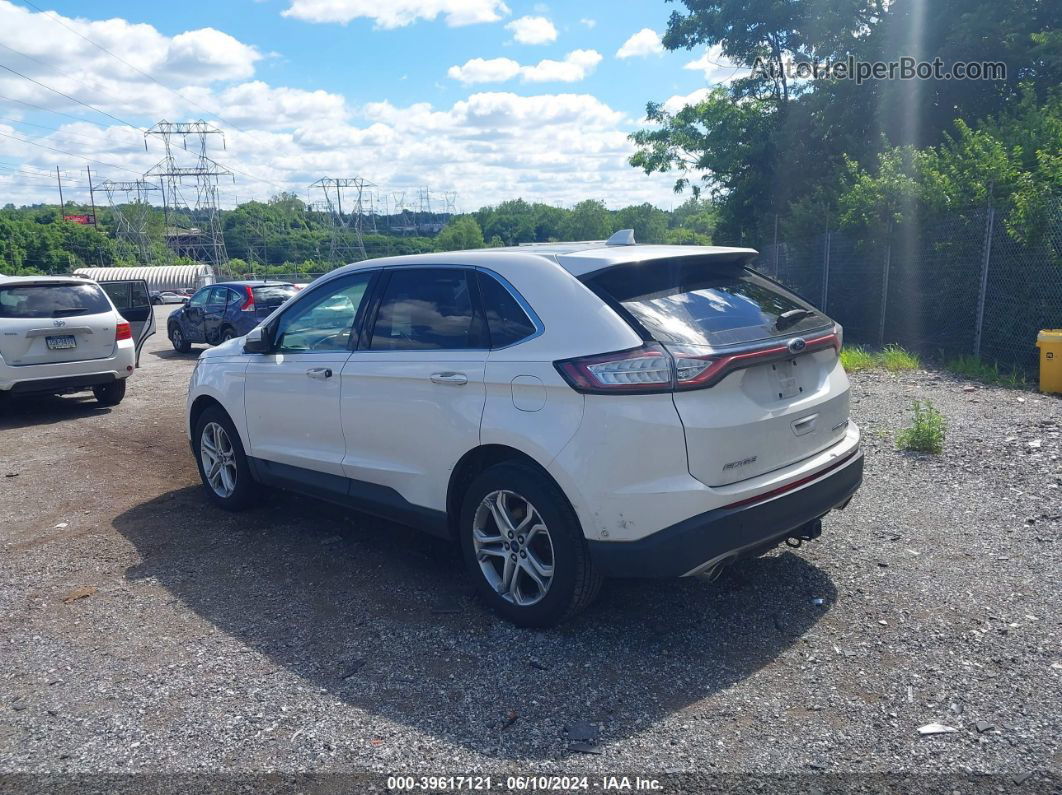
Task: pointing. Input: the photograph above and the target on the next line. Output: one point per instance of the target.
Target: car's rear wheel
(222, 462)
(524, 547)
(227, 334)
(110, 394)
(177, 340)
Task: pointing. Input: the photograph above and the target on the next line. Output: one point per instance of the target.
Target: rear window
(52, 300)
(273, 295)
(698, 302)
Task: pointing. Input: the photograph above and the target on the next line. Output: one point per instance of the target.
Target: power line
(67, 96)
(72, 154)
(48, 110)
(139, 71)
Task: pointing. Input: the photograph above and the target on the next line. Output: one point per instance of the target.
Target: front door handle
(449, 377)
(319, 373)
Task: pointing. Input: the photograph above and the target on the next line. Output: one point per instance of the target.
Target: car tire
(227, 333)
(554, 555)
(228, 484)
(110, 394)
(177, 340)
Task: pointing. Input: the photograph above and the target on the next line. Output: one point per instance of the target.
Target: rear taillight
(123, 331)
(639, 370)
(653, 368)
(248, 302)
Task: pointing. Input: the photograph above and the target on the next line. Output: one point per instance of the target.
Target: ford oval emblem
(58, 323)
(797, 344)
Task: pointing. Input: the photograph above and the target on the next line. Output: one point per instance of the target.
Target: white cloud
(677, 102)
(480, 70)
(645, 42)
(715, 66)
(532, 30)
(489, 146)
(576, 66)
(398, 13)
(590, 23)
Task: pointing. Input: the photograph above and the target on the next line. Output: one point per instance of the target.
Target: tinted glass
(199, 299)
(127, 295)
(507, 321)
(703, 303)
(425, 309)
(217, 298)
(273, 295)
(52, 300)
(324, 319)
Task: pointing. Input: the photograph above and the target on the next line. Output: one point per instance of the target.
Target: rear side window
(698, 302)
(424, 309)
(273, 295)
(507, 321)
(52, 300)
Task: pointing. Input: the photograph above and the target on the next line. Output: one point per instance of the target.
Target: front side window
(506, 319)
(52, 300)
(426, 309)
(323, 320)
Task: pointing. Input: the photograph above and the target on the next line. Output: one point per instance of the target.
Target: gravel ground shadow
(28, 410)
(385, 619)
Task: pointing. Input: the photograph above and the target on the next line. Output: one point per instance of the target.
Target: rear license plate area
(785, 379)
(61, 343)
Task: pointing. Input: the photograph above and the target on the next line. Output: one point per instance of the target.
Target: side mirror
(258, 340)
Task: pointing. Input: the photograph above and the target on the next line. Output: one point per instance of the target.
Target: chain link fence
(961, 285)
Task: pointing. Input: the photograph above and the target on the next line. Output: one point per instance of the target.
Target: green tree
(461, 233)
(589, 220)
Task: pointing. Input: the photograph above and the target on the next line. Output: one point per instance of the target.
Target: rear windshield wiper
(787, 319)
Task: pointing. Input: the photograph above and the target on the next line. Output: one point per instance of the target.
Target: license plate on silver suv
(61, 343)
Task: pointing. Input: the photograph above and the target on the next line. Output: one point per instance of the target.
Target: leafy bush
(926, 433)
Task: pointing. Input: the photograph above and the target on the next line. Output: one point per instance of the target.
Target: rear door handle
(449, 378)
(320, 373)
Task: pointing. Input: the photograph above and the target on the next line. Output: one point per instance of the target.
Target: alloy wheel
(219, 459)
(513, 548)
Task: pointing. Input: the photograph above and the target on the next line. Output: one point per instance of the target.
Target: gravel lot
(298, 638)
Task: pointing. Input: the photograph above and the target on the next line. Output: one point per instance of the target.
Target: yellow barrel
(1049, 341)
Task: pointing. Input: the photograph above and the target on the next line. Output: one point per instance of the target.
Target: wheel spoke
(529, 570)
(501, 514)
(534, 564)
(508, 575)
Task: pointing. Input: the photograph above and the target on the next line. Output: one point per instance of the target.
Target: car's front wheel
(110, 394)
(524, 547)
(222, 462)
(178, 341)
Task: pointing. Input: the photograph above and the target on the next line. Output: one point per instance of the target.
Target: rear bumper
(68, 376)
(700, 541)
(69, 383)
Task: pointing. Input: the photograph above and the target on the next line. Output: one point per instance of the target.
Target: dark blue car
(225, 310)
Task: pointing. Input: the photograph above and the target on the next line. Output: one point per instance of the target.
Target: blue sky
(492, 99)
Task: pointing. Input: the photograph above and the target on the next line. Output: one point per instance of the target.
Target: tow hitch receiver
(808, 532)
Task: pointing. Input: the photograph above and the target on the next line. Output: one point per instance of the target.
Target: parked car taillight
(644, 369)
(654, 368)
(123, 331)
(248, 303)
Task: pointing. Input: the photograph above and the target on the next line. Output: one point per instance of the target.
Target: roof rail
(624, 237)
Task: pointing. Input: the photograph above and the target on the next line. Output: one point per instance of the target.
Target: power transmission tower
(345, 198)
(189, 182)
(131, 210)
(402, 220)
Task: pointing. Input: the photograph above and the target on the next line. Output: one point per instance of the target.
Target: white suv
(63, 334)
(566, 412)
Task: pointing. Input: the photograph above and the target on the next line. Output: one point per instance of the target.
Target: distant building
(158, 277)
